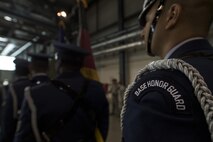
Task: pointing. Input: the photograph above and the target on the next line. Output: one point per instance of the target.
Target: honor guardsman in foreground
(161, 105)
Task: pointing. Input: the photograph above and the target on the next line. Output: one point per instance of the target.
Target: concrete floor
(114, 134)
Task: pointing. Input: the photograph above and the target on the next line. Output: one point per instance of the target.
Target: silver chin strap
(153, 26)
(201, 90)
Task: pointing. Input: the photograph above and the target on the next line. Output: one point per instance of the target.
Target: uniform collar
(187, 46)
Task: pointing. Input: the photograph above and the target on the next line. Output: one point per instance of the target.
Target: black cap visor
(142, 16)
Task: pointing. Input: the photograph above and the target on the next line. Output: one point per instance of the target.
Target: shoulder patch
(165, 86)
(171, 87)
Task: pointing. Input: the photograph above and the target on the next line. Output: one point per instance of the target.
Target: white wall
(108, 65)
(137, 60)
(108, 68)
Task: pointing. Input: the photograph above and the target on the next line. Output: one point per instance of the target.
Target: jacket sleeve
(8, 126)
(103, 121)
(27, 121)
(103, 115)
(162, 107)
(24, 130)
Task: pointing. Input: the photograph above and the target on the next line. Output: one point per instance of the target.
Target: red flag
(89, 69)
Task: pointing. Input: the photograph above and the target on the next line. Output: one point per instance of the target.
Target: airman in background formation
(69, 108)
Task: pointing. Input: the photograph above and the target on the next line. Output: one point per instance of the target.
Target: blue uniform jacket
(51, 104)
(39, 79)
(13, 104)
(11, 107)
(167, 109)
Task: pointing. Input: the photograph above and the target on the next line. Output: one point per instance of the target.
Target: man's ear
(173, 15)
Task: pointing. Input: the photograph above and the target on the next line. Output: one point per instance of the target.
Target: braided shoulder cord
(201, 90)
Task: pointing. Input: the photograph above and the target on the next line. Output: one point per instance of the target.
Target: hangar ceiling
(23, 22)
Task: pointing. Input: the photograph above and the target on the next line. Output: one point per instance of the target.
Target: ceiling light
(24, 47)
(7, 49)
(5, 82)
(59, 14)
(8, 18)
(2, 39)
(43, 33)
(6, 63)
(62, 14)
(21, 49)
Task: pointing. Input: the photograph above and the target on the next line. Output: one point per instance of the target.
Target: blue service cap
(70, 50)
(21, 62)
(39, 57)
(146, 7)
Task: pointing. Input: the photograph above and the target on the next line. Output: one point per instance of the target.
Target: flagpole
(88, 69)
(80, 22)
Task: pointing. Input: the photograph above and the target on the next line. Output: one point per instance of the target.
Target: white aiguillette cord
(201, 90)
